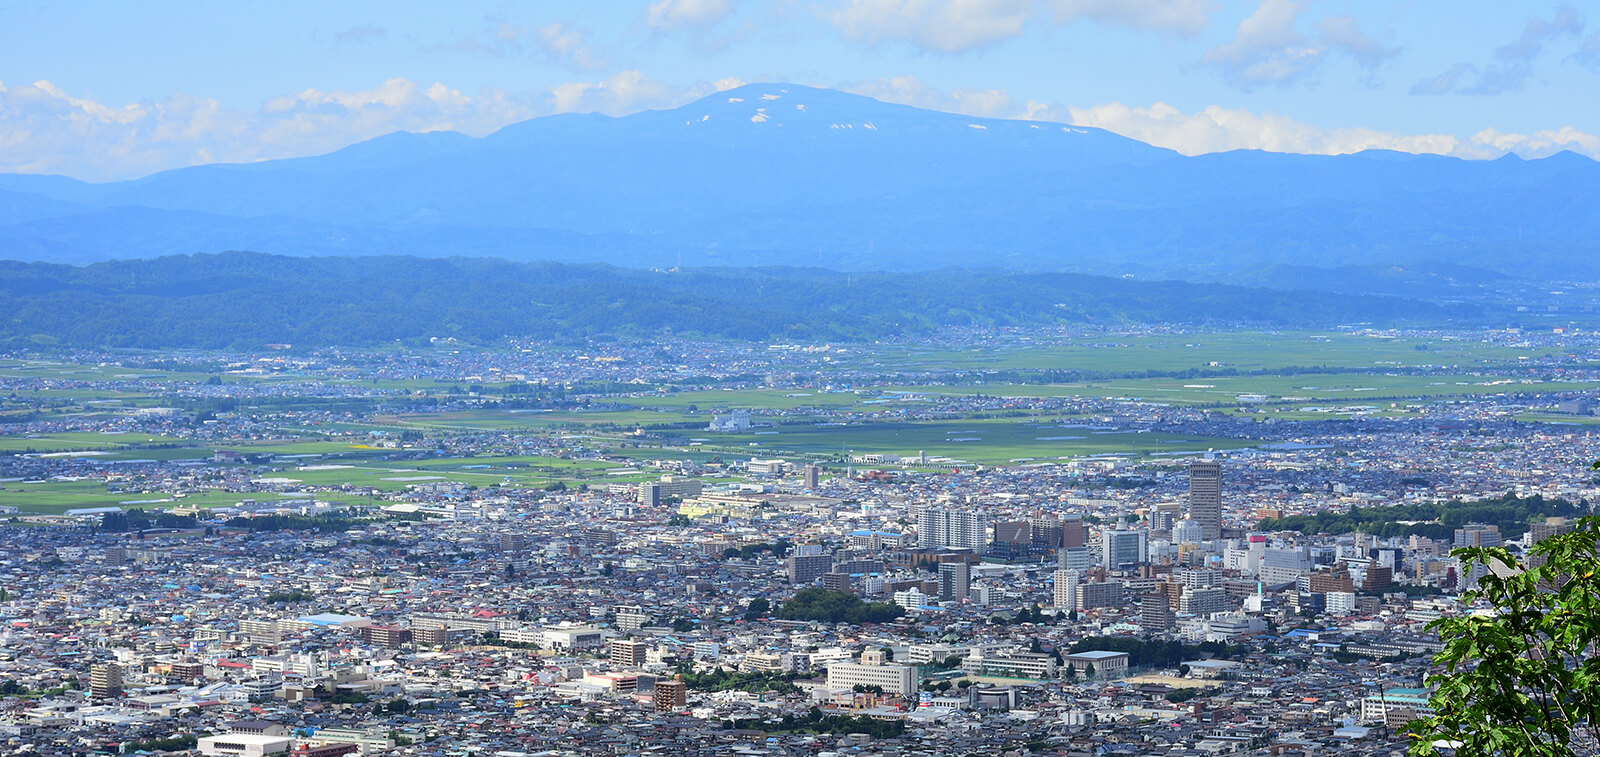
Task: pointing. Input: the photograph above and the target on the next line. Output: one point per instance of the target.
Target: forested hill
(245, 300)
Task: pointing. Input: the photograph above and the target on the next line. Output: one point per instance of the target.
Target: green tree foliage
(1183, 695)
(836, 607)
(757, 608)
(815, 721)
(1524, 679)
(324, 524)
(1510, 512)
(1158, 654)
(748, 551)
(293, 595)
(725, 680)
(137, 519)
(169, 744)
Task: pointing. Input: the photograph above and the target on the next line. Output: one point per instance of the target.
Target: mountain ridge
(780, 173)
(246, 300)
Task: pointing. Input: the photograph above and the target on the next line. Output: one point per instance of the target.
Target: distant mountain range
(780, 174)
(246, 300)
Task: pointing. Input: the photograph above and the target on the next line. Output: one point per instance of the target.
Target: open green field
(56, 497)
(976, 441)
(1340, 387)
(1244, 351)
(77, 441)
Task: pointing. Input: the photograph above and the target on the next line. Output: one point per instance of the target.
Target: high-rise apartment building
(1477, 535)
(803, 569)
(955, 580)
(947, 527)
(1205, 497)
(105, 681)
(1155, 614)
(628, 652)
(670, 696)
(1066, 590)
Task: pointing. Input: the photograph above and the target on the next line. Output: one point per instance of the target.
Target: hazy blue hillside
(247, 300)
(782, 174)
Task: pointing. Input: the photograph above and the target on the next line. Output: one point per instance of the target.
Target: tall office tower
(105, 681)
(813, 473)
(1066, 590)
(1155, 614)
(943, 527)
(1205, 497)
(1121, 548)
(955, 580)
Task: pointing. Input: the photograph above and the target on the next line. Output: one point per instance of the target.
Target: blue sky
(117, 90)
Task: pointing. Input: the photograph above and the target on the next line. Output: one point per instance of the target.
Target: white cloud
(1539, 31)
(1185, 17)
(959, 26)
(46, 130)
(360, 34)
(671, 14)
(1268, 49)
(1588, 53)
(559, 44)
(1218, 129)
(945, 26)
(1341, 32)
(909, 90)
(625, 92)
(566, 45)
(1514, 60)
(1539, 144)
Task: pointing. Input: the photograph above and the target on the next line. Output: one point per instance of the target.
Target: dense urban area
(1073, 541)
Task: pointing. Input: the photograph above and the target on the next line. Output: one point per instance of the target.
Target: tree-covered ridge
(245, 300)
(1434, 520)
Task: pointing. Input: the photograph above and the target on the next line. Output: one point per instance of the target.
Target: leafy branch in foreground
(1521, 677)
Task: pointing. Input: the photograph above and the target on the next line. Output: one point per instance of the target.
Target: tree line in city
(815, 721)
(246, 300)
(836, 607)
(1434, 520)
(1150, 653)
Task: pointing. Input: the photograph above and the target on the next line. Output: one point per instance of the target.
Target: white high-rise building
(1280, 566)
(944, 527)
(1066, 590)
